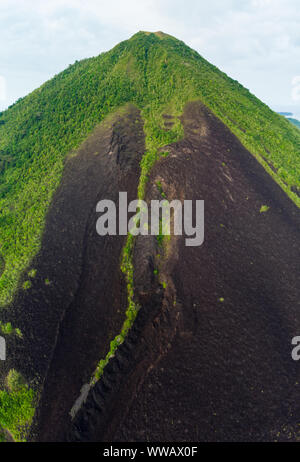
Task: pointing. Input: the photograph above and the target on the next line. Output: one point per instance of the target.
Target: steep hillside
(294, 121)
(157, 73)
(98, 128)
(209, 356)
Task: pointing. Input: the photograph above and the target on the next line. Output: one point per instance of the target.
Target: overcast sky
(254, 41)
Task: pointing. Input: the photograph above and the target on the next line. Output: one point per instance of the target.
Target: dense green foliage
(16, 406)
(156, 72)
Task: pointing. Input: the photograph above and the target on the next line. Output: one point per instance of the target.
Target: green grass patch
(158, 74)
(32, 273)
(27, 285)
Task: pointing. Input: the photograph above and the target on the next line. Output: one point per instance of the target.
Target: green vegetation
(26, 285)
(157, 73)
(132, 307)
(15, 381)
(2, 436)
(294, 121)
(264, 208)
(16, 406)
(160, 188)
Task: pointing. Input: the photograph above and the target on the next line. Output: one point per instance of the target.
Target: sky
(256, 42)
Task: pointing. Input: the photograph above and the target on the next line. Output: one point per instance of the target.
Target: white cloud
(296, 88)
(2, 88)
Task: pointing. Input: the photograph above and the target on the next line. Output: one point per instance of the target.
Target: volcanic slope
(209, 356)
(153, 118)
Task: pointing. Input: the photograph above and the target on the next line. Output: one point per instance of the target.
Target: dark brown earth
(209, 357)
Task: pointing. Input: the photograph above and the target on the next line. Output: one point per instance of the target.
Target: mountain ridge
(42, 128)
(41, 135)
